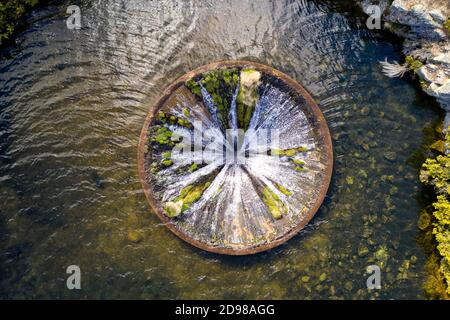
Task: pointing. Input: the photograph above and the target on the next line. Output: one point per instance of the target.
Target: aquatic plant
(396, 70)
(163, 136)
(423, 84)
(413, 64)
(393, 69)
(220, 85)
(273, 202)
(188, 195)
(447, 24)
(436, 172)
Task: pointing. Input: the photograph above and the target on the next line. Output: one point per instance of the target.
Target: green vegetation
(220, 84)
(423, 84)
(299, 164)
(447, 24)
(193, 167)
(11, 11)
(161, 116)
(188, 195)
(436, 173)
(184, 123)
(283, 189)
(164, 118)
(413, 64)
(194, 86)
(163, 136)
(288, 152)
(167, 162)
(273, 203)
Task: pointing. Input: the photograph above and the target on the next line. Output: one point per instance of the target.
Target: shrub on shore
(11, 11)
(436, 173)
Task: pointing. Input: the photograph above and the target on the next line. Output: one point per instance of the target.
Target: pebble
(390, 155)
(305, 279)
(348, 285)
(362, 251)
(349, 180)
(134, 236)
(365, 111)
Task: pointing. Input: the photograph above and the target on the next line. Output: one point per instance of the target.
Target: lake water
(72, 105)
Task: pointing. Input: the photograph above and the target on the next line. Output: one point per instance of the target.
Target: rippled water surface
(73, 102)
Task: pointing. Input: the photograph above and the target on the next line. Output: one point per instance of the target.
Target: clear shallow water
(72, 107)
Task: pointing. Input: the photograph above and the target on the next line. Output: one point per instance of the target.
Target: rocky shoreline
(425, 27)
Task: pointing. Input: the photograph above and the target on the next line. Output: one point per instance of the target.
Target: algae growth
(436, 173)
(188, 196)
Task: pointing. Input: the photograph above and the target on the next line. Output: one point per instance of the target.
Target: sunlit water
(72, 107)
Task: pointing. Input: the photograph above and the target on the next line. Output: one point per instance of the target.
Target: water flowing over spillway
(235, 159)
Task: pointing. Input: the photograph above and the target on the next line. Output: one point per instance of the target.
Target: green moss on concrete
(275, 206)
(194, 87)
(193, 167)
(413, 64)
(283, 189)
(298, 162)
(220, 84)
(163, 136)
(288, 152)
(447, 24)
(166, 162)
(188, 195)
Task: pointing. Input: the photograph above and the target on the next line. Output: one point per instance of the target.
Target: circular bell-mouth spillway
(235, 157)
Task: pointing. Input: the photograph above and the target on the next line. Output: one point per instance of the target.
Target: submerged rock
(390, 155)
(424, 220)
(363, 251)
(424, 25)
(134, 236)
(438, 146)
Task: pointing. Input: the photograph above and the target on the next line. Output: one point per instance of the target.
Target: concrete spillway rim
(321, 126)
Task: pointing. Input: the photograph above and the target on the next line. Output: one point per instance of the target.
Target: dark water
(72, 106)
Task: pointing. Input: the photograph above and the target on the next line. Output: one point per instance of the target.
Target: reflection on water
(72, 107)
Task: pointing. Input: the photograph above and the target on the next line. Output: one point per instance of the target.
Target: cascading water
(253, 188)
